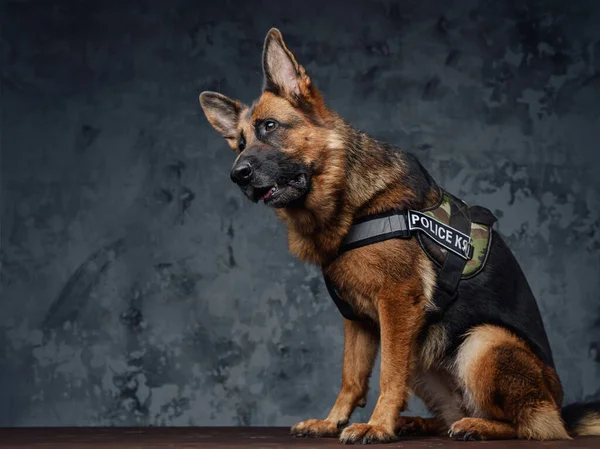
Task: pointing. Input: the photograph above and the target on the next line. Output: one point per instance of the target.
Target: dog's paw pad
(315, 428)
(464, 433)
(366, 434)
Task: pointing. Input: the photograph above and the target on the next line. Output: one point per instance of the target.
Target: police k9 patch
(441, 233)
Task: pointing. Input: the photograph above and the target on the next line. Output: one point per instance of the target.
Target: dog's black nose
(241, 173)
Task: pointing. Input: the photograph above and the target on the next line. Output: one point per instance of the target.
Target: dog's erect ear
(222, 112)
(283, 74)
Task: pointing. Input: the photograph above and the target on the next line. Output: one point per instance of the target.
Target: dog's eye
(242, 144)
(270, 125)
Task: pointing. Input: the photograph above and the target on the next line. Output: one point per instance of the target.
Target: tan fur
(589, 425)
(529, 402)
(438, 390)
(541, 422)
(472, 355)
(335, 141)
(434, 347)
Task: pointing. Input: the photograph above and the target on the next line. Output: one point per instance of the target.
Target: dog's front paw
(366, 434)
(316, 428)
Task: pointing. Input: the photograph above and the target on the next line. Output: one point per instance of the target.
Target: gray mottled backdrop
(140, 288)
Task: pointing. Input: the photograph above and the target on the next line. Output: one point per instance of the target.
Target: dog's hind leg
(417, 426)
(508, 392)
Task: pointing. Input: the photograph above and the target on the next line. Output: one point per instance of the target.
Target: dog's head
(280, 137)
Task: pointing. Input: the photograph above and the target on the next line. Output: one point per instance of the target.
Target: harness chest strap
(400, 224)
(455, 238)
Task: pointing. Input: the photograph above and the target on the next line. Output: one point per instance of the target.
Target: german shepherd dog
(480, 377)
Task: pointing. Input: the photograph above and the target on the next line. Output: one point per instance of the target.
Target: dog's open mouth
(264, 193)
(280, 193)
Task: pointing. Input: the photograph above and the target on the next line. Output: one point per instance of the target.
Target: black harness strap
(343, 306)
(451, 271)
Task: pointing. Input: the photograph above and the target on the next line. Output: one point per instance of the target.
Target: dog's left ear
(283, 74)
(222, 112)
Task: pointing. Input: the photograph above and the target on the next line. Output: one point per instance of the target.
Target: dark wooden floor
(225, 437)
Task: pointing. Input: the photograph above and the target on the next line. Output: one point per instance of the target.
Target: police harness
(455, 236)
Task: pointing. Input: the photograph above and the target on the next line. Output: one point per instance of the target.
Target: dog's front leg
(361, 342)
(399, 319)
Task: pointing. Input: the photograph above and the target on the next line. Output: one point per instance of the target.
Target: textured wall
(140, 287)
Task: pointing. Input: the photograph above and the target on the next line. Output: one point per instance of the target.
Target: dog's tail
(582, 419)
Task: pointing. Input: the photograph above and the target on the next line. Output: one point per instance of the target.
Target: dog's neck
(358, 176)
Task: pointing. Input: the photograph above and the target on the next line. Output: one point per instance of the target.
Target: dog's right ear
(222, 112)
(282, 73)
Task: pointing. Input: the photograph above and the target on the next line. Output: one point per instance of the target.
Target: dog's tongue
(267, 195)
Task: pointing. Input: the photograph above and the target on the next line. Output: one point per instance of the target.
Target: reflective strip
(376, 227)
